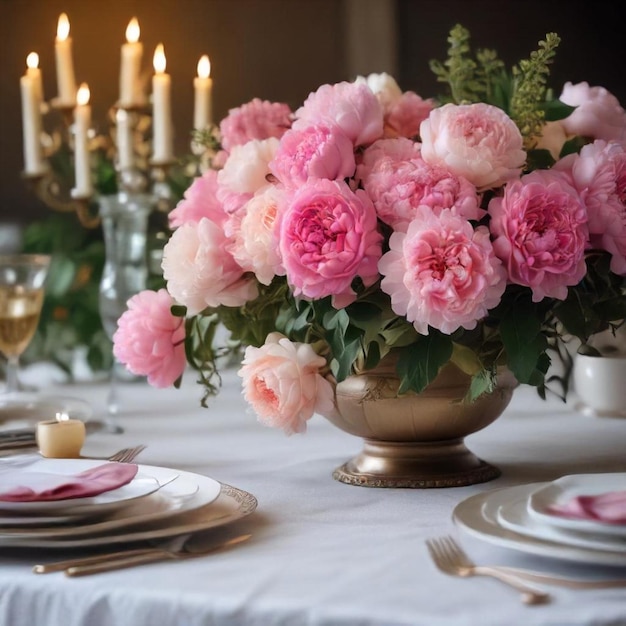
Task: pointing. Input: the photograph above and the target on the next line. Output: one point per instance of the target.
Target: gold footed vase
(416, 440)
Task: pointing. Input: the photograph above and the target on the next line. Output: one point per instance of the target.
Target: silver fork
(449, 557)
(126, 455)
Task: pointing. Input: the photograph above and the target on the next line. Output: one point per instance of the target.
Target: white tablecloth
(321, 552)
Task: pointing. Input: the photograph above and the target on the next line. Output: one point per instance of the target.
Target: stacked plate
(156, 503)
(523, 518)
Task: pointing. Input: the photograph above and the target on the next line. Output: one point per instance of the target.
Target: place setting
(578, 517)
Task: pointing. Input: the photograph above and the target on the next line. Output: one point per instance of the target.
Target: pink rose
(199, 270)
(328, 236)
(598, 113)
(258, 119)
(540, 229)
(149, 340)
(350, 106)
(442, 273)
(200, 200)
(313, 152)
(599, 174)
(283, 384)
(399, 181)
(256, 241)
(477, 141)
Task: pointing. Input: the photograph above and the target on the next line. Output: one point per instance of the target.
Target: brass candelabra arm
(49, 188)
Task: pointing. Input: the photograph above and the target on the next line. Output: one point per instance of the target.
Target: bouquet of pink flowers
(484, 228)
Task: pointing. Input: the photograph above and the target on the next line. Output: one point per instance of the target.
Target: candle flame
(32, 61)
(159, 60)
(62, 416)
(132, 31)
(63, 27)
(82, 96)
(204, 67)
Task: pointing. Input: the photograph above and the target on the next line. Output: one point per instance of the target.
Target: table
(321, 552)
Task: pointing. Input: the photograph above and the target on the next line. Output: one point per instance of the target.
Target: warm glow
(204, 66)
(32, 61)
(132, 31)
(158, 60)
(63, 27)
(82, 97)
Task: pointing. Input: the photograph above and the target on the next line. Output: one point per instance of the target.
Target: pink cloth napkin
(607, 507)
(23, 486)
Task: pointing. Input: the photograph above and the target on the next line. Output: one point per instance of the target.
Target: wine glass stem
(11, 373)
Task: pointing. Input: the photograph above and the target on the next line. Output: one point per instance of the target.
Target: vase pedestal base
(412, 465)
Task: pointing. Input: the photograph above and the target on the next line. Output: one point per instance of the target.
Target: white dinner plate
(231, 505)
(477, 516)
(564, 489)
(514, 516)
(187, 493)
(142, 485)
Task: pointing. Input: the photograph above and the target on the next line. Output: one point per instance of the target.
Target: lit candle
(31, 122)
(162, 136)
(82, 122)
(124, 139)
(32, 64)
(203, 85)
(62, 438)
(132, 51)
(66, 83)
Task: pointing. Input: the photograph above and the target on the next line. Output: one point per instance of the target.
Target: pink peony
(383, 86)
(350, 106)
(328, 237)
(200, 200)
(256, 242)
(442, 273)
(540, 229)
(149, 340)
(598, 113)
(313, 152)
(247, 166)
(258, 119)
(283, 384)
(398, 181)
(599, 174)
(404, 117)
(199, 270)
(553, 137)
(477, 141)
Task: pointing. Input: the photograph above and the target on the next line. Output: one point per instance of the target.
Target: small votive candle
(60, 438)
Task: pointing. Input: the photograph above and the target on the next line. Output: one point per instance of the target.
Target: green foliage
(529, 91)
(70, 315)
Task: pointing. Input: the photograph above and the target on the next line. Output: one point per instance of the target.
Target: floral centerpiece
(483, 228)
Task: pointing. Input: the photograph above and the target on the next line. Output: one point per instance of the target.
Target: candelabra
(128, 196)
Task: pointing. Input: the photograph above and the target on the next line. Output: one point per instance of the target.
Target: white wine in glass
(22, 278)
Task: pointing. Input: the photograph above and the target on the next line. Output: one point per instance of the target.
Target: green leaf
(555, 110)
(419, 364)
(539, 159)
(523, 341)
(482, 382)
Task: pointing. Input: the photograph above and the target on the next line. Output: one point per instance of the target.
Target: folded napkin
(20, 486)
(607, 507)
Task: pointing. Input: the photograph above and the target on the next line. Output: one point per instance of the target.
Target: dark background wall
(283, 49)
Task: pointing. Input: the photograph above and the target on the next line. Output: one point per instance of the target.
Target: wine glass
(22, 278)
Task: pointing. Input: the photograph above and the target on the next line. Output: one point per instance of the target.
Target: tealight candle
(132, 51)
(162, 136)
(61, 438)
(203, 85)
(82, 121)
(66, 82)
